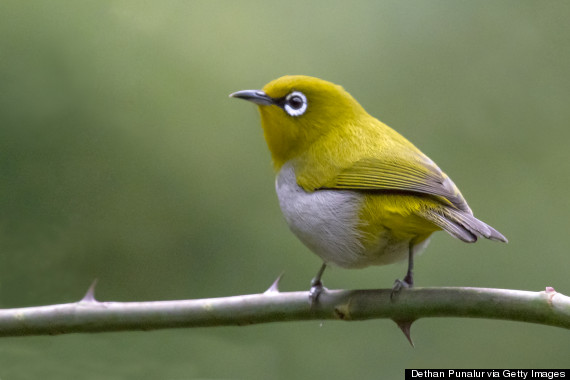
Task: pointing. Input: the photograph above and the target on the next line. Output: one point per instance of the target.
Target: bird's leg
(408, 281)
(317, 285)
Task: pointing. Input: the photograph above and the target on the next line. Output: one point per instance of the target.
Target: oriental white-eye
(353, 190)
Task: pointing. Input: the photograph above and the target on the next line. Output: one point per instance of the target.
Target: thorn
(405, 326)
(550, 292)
(90, 295)
(274, 288)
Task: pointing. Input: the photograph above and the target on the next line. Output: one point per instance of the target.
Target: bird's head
(298, 110)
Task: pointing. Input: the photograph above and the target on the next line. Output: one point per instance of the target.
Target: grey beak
(255, 96)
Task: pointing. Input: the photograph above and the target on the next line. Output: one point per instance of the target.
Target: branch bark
(89, 315)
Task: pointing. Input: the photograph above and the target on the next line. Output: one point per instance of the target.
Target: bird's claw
(398, 286)
(316, 290)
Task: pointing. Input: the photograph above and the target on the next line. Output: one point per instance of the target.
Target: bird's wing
(422, 177)
(410, 175)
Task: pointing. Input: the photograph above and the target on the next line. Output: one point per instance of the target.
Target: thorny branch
(89, 315)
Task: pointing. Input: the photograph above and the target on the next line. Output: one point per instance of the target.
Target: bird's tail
(463, 225)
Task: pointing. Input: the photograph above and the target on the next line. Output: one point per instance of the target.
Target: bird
(353, 190)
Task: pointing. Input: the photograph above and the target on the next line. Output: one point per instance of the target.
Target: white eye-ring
(295, 103)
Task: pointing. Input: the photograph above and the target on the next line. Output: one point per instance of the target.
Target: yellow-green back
(337, 144)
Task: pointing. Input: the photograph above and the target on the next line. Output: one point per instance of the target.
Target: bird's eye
(295, 103)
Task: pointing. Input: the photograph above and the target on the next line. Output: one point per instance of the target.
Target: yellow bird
(353, 190)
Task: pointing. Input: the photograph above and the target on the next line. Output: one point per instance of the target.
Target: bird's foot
(316, 290)
(399, 285)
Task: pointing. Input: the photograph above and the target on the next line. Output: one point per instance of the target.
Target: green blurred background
(123, 159)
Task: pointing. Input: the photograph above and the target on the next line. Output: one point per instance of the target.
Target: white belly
(327, 222)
